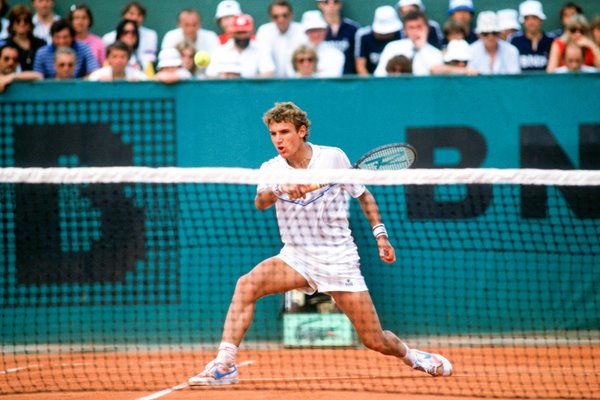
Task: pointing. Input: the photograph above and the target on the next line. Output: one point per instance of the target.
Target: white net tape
(254, 176)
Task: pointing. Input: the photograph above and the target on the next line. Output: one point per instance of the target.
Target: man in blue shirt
(63, 35)
(533, 43)
(341, 32)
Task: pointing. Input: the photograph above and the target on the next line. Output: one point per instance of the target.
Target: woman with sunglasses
(20, 35)
(304, 61)
(578, 32)
(128, 33)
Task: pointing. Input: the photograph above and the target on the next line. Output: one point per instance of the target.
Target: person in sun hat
(490, 54)
(534, 44)
(331, 59)
(170, 67)
(508, 23)
(456, 57)
(371, 40)
(226, 10)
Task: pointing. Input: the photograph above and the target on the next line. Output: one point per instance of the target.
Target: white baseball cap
(487, 22)
(404, 3)
(457, 5)
(386, 20)
(458, 50)
(531, 8)
(227, 8)
(169, 57)
(313, 19)
(508, 19)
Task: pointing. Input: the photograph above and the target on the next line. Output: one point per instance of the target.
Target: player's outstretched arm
(371, 211)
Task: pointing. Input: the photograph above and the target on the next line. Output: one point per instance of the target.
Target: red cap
(242, 23)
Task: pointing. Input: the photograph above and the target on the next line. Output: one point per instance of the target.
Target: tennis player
(319, 253)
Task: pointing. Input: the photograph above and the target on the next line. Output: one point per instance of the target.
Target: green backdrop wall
(162, 16)
(545, 121)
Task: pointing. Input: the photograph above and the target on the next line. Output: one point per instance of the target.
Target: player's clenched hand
(297, 191)
(386, 251)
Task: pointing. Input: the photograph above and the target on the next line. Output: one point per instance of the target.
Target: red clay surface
(290, 374)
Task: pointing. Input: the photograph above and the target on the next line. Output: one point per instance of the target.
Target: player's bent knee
(246, 287)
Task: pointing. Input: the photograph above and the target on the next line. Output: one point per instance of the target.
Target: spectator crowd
(36, 44)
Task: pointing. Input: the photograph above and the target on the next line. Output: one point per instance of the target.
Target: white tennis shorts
(322, 277)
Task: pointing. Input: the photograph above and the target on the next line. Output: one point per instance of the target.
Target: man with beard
(253, 63)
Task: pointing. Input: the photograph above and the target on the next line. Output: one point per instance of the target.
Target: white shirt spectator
(4, 31)
(422, 60)
(505, 62)
(42, 31)
(148, 43)
(251, 61)
(280, 46)
(205, 40)
(331, 61)
(105, 73)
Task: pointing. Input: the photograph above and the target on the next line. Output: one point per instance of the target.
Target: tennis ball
(202, 58)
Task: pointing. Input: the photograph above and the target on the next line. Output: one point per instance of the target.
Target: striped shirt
(85, 62)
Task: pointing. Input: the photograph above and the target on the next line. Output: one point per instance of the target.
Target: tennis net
(120, 279)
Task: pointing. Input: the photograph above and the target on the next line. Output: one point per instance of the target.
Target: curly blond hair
(287, 112)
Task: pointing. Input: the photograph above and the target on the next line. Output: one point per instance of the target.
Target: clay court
(492, 372)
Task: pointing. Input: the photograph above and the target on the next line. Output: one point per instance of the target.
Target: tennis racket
(389, 157)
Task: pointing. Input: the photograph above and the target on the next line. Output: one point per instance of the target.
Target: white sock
(409, 358)
(227, 353)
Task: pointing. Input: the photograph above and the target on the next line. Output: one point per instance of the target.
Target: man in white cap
(435, 36)
(533, 44)
(371, 40)
(279, 38)
(416, 48)
(331, 59)
(490, 54)
(226, 10)
(190, 29)
(462, 11)
(241, 47)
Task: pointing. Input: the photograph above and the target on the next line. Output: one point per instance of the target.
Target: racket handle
(316, 186)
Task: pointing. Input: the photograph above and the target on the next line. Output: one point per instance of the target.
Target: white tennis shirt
(317, 226)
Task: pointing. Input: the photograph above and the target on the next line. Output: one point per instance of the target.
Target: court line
(182, 386)
(17, 369)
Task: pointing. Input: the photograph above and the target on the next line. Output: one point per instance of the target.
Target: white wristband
(379, 230)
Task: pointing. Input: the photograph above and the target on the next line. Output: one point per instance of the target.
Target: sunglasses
(21, 21)
(280, 16)
(64, 64)
(6, 58)
(329, 1)
(305, 59)
(129, 31)
(575, 30)
(488, 33)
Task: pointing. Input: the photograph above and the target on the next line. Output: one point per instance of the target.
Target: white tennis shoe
(433, 364)
(215, 373)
